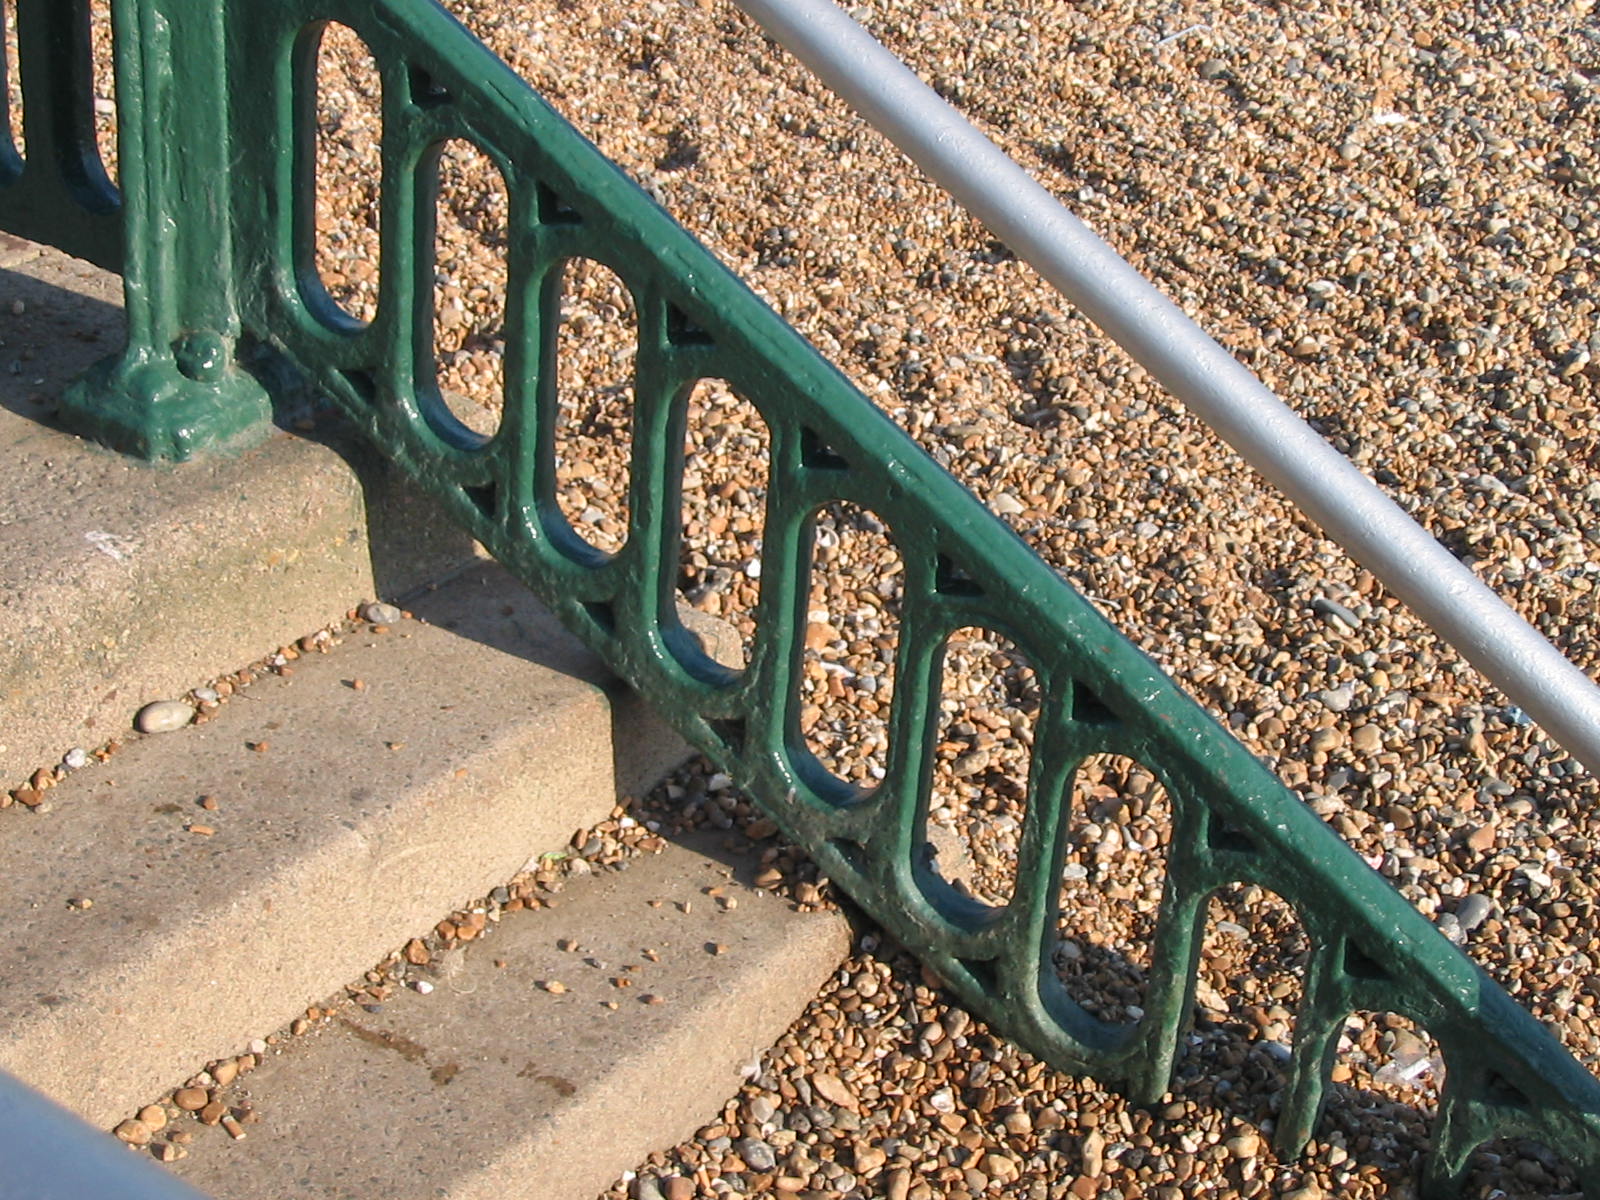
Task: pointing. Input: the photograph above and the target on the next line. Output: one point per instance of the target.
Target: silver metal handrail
(1193, 367)
(50, 1154)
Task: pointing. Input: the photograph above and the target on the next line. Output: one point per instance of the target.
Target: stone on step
(492, 1085)
(203, 887)
(123, 582)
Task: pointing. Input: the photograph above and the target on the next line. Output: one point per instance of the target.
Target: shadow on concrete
(57, 318)
(413, 544)
(435, 570)
(60, 315)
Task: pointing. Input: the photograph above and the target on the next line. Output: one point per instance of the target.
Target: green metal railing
(62, 195)
(221, 229)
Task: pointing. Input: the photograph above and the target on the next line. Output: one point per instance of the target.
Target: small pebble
(1244, 1146)
(1473, 910)
(1007, 505)
(379, 613)
(191, 1099)
(757, 1154)
(1093, 1150)
(134, 1132)
(163, 716)
(1338, 699)
(1333, 610)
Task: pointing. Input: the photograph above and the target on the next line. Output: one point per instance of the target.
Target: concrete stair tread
(478, 739)
(492, 1086)
(367, 817)
(122, 582)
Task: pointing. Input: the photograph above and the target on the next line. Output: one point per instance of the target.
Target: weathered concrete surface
(645, 746)
(122, 582)
(364, 816)
(492, 1086)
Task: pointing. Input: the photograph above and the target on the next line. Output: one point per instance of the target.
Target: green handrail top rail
(219, 229)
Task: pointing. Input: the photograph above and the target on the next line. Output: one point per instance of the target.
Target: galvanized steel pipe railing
(51, 1154)
(1193, 367)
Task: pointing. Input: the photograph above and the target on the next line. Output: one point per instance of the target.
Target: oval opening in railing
(725, 470)
(1114, 867)
(852, 633)
(988, 709)
(19, 142)
(348, 171)
(1391, 1068)
(596, 346)
(1253, 956)
(103, 103)
(1521, 1169)
(470, 280)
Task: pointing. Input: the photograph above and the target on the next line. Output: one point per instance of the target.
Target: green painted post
(177, 387)
(60, 193)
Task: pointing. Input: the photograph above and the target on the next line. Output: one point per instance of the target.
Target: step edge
(26, 1046)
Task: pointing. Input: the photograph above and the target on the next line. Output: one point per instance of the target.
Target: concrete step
(348, 818)
(123, 582)
(520, 1080)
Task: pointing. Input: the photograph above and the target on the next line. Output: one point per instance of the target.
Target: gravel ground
(887, 1088)
(1389, 212)
(1386, 210)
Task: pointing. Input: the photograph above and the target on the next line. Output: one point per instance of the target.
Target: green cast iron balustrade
(59, 193)
(1232, 820)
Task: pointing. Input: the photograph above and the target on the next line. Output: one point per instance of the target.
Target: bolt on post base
(169, 407)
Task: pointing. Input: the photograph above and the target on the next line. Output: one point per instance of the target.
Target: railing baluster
(60, 193)
(526, 336)
(1317, 1027)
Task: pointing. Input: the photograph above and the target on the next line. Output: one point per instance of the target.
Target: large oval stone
(163, 716)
